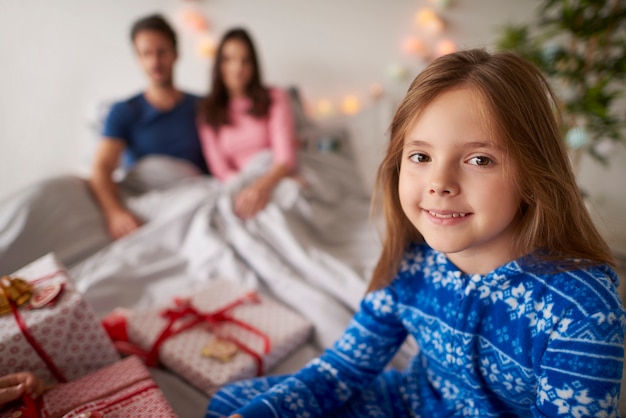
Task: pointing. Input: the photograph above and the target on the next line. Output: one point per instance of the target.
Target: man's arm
(119, 220)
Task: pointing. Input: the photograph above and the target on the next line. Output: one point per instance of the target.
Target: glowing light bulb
(424, 16)
(428, 20)
(441, 4)
(577, 137)
(350, 105)
(377, 91)
(195, 21)
(397, 72)
(324, 108)
(207, 47)
(414, 46)
(445, 46)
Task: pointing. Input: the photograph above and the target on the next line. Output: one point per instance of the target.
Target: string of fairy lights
(426, 42)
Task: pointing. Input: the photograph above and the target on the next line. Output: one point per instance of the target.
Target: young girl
(490, 262)
(241, 117)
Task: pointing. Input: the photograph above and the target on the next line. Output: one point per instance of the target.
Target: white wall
(606, 187)
(61, 58)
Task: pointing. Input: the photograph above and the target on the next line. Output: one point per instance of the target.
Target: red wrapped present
(55, 334)
(124, 389)
(220, 334)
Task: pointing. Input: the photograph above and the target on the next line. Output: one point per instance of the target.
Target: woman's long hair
(519, 109)
(214, 108)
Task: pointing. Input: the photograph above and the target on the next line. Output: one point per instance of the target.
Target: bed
(313, 248)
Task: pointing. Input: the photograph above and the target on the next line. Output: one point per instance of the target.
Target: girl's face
(456, 185)
(236, 67)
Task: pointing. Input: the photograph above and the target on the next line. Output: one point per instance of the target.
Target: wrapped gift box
(60, 341)
(266, 332)
(124, 389)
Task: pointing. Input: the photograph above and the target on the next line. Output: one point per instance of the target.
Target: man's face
(156, 55)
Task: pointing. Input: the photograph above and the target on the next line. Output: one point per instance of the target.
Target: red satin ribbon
(29, 337)
(214, 319)
(47, 277)
(31, 407)
(33, 342)
(110, 403)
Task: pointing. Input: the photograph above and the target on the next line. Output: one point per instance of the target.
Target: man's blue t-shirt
(149, 131)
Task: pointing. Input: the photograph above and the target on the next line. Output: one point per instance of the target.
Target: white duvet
(312, 248)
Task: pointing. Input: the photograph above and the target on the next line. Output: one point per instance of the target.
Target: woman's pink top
(231, 148)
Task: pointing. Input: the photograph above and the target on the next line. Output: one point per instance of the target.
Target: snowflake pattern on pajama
(518, 341)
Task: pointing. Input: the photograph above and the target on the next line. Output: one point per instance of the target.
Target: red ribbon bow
(31, 408)
(185, 311)
(56, 372)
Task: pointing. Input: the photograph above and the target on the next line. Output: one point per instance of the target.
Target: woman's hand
(252, 200)
(14, 385)
(121, 223)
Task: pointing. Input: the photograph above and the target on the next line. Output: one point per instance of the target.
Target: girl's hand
(14, 385)
(235, 416)
(251, 200)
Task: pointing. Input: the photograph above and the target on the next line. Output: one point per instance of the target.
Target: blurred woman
(240, 118)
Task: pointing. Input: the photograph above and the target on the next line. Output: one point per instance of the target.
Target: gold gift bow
(14, 289)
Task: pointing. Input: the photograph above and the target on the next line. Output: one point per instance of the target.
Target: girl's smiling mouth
(446, 217)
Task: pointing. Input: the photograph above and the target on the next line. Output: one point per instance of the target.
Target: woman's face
(236, 67)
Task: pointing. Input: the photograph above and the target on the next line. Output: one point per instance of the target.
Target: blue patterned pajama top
(514, 342)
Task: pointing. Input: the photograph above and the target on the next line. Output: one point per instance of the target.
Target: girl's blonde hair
(520, 111)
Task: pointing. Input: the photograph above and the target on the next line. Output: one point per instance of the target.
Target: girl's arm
(326, 383)
(581, 367)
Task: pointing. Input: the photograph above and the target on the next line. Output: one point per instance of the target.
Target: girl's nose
(443, 181)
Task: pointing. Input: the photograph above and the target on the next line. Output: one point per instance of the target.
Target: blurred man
(160, 121)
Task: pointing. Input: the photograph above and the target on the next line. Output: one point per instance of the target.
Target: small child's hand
(14, 385)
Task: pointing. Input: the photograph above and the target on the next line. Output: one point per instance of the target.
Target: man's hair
(519, 109)
(157, 23)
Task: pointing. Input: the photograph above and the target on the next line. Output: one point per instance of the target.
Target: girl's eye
(419, 158)
(480, 161)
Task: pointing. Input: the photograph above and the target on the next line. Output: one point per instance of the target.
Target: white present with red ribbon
(255, 331)
(59, 341)
(124, 389)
